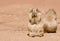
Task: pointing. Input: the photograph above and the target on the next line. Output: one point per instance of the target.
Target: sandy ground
(14, 19)
(22, 36)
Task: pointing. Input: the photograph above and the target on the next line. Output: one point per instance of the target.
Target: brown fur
(50, 22)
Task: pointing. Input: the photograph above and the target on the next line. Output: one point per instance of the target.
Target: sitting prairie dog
(50, 21)
(35, 29)
(35, 25)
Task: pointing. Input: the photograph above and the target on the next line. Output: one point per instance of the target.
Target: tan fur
(50, 21)
(35, 25)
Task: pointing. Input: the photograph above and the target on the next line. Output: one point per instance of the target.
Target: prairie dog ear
(34, 10)
(37, 10)
(52, 13)
(31, 10)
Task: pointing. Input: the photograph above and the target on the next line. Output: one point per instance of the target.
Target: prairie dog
(35, 25)
(50, 21)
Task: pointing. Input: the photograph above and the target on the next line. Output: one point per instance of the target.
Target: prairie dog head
(34, 16)
(51, 15)
(34, 12)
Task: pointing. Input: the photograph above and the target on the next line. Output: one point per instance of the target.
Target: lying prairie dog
(50, 21)
(35, 25)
